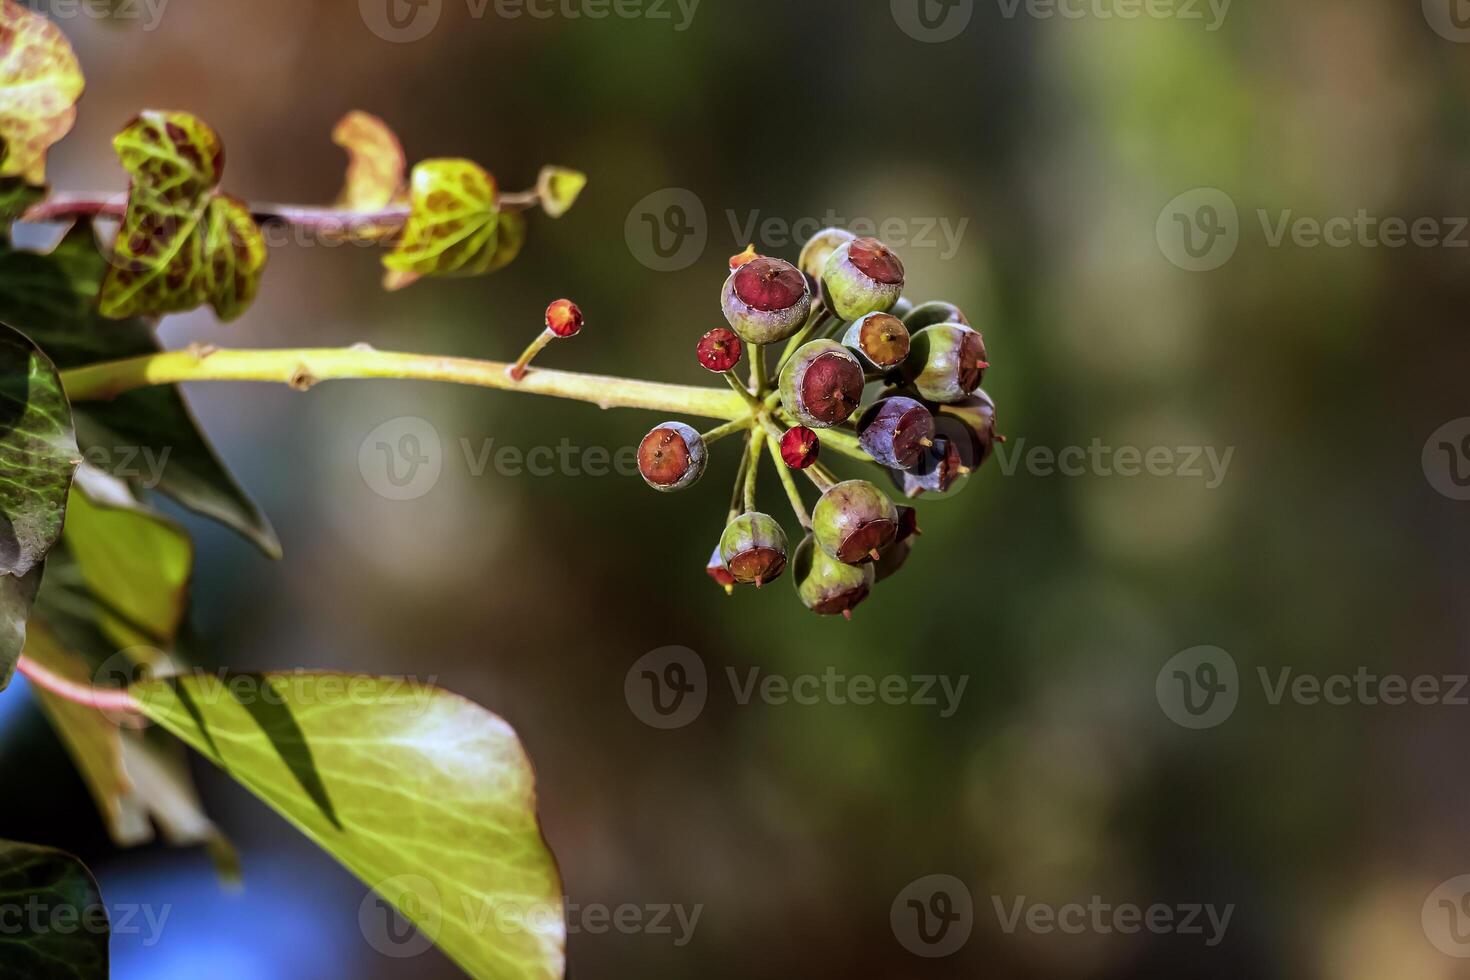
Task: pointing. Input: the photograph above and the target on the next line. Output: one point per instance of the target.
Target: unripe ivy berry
(753, 548)
(936, 311)
(766, 300)
(819, 249)
(719, 350)
(903, 307)
(881, 339)
(828, 587)
(864, 276)
(946, 362)
(800, 447)
(822, 384)
(564, 318)
(716, 570)
(854, 521)
(672, 457)
(896, 431)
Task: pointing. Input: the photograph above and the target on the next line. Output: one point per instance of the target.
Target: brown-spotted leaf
(40, 82)
(452, 227)
(558, 188)
(375, 166)
(234, 257)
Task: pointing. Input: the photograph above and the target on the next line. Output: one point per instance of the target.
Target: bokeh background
(1055, 150)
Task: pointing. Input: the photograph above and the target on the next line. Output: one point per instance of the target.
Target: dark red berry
(754, 549)
(770, 285)
(564, 318)
(908, 523)
(800, 447)
(716, 570)
(672, 457)
(822, 384)
(854, 521)
(719, 350)
(876, 261)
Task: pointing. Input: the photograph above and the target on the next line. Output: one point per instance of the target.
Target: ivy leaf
(148, 436)
(38, 453)
(181, 243)
(558, 188)
(452, 224)
(60, 885)
(375, 165)
(426, 796)
(40, 82)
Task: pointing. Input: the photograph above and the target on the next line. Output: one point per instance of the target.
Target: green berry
(864, 276)
(766, 300)
(880, 339)
(854, 521)
(936, 311)
(822, 384)
(828, 587)
(819, 249)
(946, 362)
(672, 457)
(753, 548)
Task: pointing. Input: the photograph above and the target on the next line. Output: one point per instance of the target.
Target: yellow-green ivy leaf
(30, 877)
(234, 257)
(425, 796)
(40, 82)
(510, 239)
(375, 162)
(452, 225)
(558, 188)
(181, 244)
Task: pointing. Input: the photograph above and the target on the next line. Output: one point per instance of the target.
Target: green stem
(739, 388)
(302, 368)
(737, 495)
(728, 429)
(792, 493)
(758, 381)
(757, 438)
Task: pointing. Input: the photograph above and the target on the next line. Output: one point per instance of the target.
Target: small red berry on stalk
(564, 318)
(800, 447)
(719, 350)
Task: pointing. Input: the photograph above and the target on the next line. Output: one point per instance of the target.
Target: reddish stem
(102, 699)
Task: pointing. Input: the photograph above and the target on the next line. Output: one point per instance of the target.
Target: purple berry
(766, 300)
(964, 438)
(822, 384)
(854, 521)
(896, 431)
(672, 457)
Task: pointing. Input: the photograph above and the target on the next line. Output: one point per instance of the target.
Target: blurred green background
(1035, 165)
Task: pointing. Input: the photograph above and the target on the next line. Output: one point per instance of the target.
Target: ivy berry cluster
(848, 332)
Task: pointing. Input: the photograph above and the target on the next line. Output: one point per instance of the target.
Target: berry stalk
(757, 440)
(102, 699)
(792, 492)
(303, 367)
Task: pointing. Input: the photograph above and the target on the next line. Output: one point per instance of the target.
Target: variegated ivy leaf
(453, 225)
(559, 188)
(181, 244)
(40, 82)
(375, 166)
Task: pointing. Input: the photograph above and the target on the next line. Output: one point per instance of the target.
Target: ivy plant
(427, 797)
